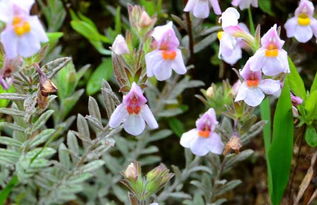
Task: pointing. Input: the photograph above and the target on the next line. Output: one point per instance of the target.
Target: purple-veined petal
(119, 115)
(134, 124)
(148, 117)
(269, 86)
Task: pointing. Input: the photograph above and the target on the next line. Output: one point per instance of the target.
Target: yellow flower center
(303, 20)
(204, 133)
(20, 26)
(271, 51)
(252, 83)
(220, 35)
(168, 55)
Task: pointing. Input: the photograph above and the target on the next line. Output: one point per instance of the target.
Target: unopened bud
(145, 20)
(296, 100)
(120, 45)
(233, 144)
(132, 171)
(210, 92)
(47, 87)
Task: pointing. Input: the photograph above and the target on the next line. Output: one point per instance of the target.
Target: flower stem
(252, 29)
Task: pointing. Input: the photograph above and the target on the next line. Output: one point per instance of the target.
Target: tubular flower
(303, 25)
(200, 8)
(270, 58)
(120, 46)
(203, 139)
(133, 112)
(230, 46)
(23, 33)
(166, 56)
(244, 4)
(252, 90)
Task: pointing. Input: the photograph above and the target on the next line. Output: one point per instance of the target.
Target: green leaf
(54, 36)
(314, 85)
(103, 72)
(281, 149)
(3, 102)
(295, 81)
(311, 136)
(4, 193)
(265, 5)
(311, 106)
(176, 125)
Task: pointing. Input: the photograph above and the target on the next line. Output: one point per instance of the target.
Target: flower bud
(132, 171)
(120, 45)
(210, 92)
(296, 100)
(145, 20)
(233, 144)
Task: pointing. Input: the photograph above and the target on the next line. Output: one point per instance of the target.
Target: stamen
(303, 20)
(169, 55)
(220, 35)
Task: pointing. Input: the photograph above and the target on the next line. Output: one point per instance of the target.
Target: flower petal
(201, 9)
(242, 92)
(254, 97)
(303, 33)
(134, 125)
(178, 63)
(215, 6)
(188, 137)
(37, 29)
(190, 5)
(215, 143)
(118, 116)
(200, 146)
(147, 115)
(10, 43)
(269, 86)
(290, 27)
(28, 45)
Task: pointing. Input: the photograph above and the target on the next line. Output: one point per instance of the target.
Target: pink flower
(9, 66)
(23, 33)
(166, 56)
(133, 112)
(203, 139)
(270, 58)
(303, 25)
(230, 46)
(252, 90)
(244, 4)
(120, 46)
(296, 100)
(200, 8)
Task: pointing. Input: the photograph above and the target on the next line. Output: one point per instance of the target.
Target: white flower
(200, 8)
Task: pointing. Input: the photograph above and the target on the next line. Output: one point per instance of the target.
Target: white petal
(242, 92)
(200, 146)
(148, 117)
(24, 4)
(163, 69)
(6, 11)
(201, 9)
(28, 45)
(303, 33)
(254, 97)
(178, 63)
(190, 5)
(290, 27)
(215, 6)
(188, 137)
(10, 43)
(37, 29)
(134, 125)
(118, 116)
(258, 60)
(215, 143)
(229, 17)
(150, 60)
(270, 86)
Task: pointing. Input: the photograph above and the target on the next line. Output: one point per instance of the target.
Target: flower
(203, 139)
(296, 100)
(133, 112)
(230, 46)
(303, 25)
(166, 56)
(200, 8)
(23, 33)
(120, 46)
(9, 66)
(244, 4)
(270, 58)
(252, 90)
